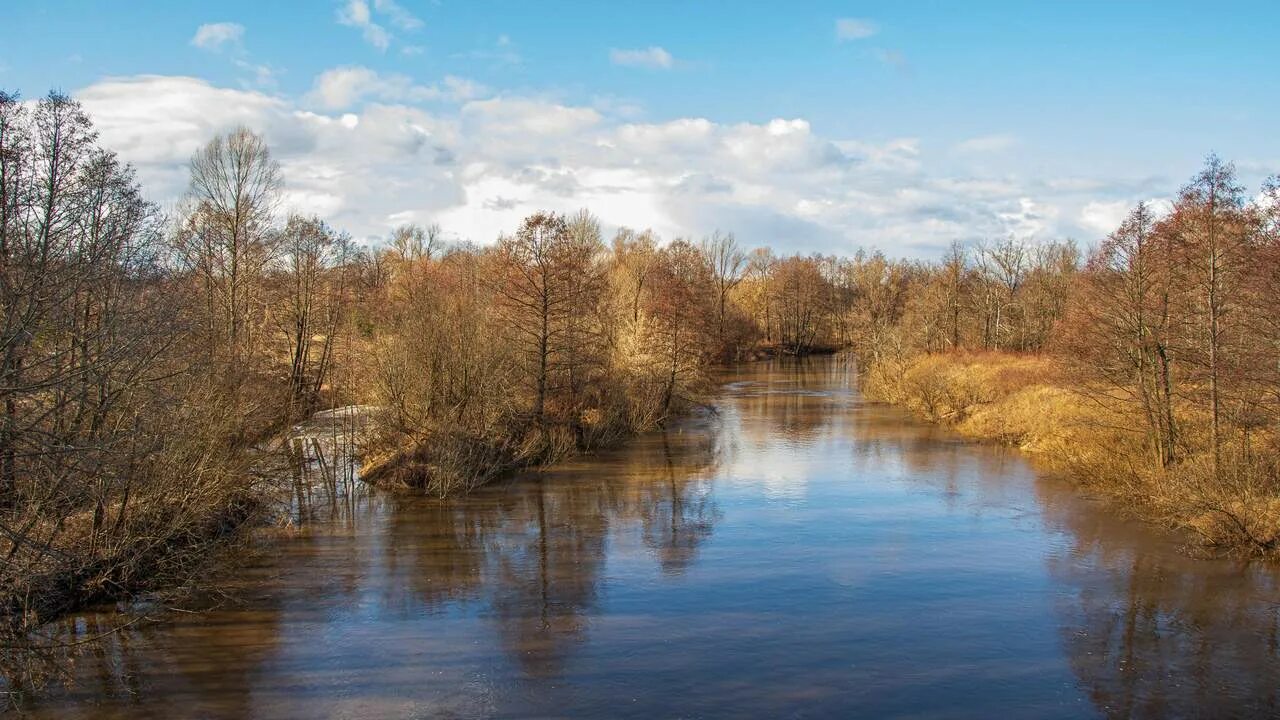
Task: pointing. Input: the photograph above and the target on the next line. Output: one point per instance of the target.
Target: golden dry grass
(1027, 401)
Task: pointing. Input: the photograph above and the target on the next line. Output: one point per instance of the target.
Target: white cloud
(358, 14)
(399, 17)
(215, 36)
(855, 29)
(986, 145)
(342, 87)
(1102, 218)
(517, 117)
(263, 75)
(651, 57)
(1027, 218)
(228, 38)
(367, 159)
(355, 13)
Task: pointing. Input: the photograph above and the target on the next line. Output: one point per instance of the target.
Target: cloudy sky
(813, 127)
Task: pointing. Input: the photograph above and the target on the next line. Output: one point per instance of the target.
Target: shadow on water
(799, 553)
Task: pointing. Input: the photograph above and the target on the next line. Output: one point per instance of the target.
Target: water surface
(800, 554)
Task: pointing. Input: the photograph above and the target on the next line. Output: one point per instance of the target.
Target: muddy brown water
(801, 554)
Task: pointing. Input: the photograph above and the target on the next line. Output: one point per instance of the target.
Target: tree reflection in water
(1152, 633)
(681, 512)
(801, 549)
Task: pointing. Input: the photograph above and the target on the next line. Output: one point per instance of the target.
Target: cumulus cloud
(343, 87)
(855, 29)
(216, 36)
(367, 160)
(651, 57)
(518, 117)
(1103, 217)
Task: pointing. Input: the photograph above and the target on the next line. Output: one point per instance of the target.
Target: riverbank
(444, 460)
(1029, 401)
(188, 512)
(159, 551)
(801, 529)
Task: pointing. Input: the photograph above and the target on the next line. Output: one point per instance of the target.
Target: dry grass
(1027, 401)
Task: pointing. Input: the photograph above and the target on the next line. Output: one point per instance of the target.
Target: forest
(149, 357)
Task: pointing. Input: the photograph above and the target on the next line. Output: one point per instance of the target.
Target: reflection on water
(799, 553)
(1153, 634)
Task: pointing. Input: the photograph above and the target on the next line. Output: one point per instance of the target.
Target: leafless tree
(226, 239)
(728, 263)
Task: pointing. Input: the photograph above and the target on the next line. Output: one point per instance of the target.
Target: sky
(806, 126)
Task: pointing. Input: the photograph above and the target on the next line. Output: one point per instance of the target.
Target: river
(801, 553)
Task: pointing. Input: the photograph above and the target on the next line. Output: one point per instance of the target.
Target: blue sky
(807, 126)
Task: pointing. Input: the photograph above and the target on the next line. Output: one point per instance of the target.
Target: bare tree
(414, 242)
(316, 264)
(801, 301)
(1118, 331)
(634, 255)
(677, 307)
(1213, 234)
(1004, 266)
(728, 262)
(760, 271)
(226, 238)
(956, 285)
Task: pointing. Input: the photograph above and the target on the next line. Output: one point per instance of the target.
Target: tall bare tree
(728, 263)
(226, 239)
(1213, 234)
(315, 259)
(955, 281)
(1118, 332)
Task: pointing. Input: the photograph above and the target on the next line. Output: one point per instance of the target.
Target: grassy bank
(1031, 402)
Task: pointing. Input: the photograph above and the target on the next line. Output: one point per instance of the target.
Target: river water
(802, 553)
